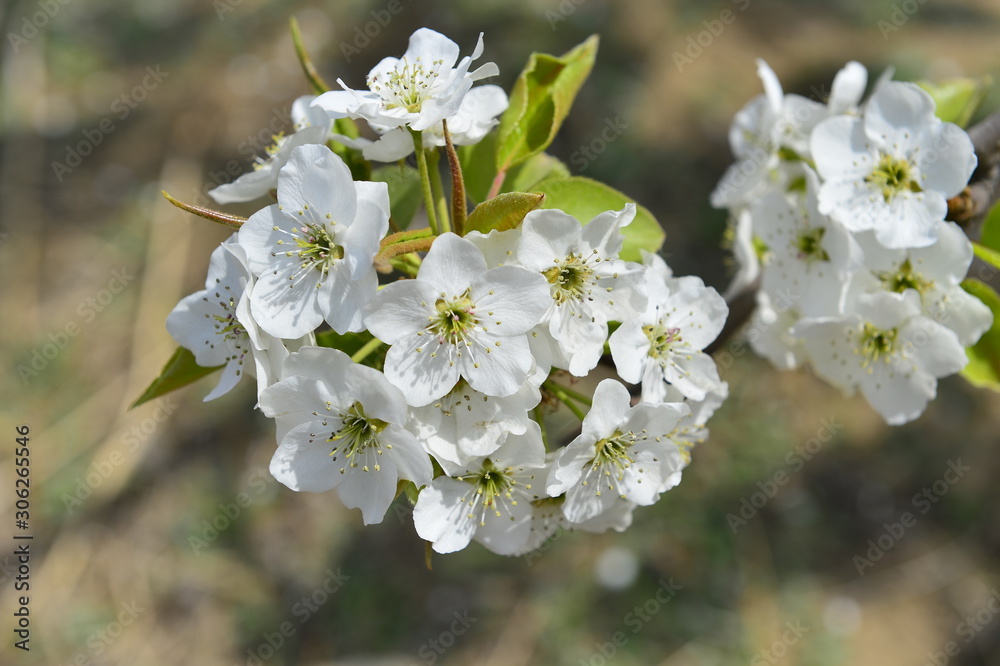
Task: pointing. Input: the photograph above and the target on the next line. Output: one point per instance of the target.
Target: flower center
(809, 246)
(272, 150)
(228, 327)
(408, 86)
(316, 248)
(494, 489)
(357, 438)
(611, 459)
(661, 339)
(904, 278)
(877, 344)
(571, 279)
(892, 176)
(454, 319)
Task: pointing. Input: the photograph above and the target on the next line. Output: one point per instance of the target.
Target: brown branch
(970, 207)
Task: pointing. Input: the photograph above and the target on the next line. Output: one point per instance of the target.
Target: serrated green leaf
(178, 372)
(584, 199)
(404, 191)
(983, 369)
(502, 212)
(957, 99)
(539, 102)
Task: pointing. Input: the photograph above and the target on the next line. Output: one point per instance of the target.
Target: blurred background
(805, 531)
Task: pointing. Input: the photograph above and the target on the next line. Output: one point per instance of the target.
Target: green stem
(540, 420)
(560, 392)
(425, 182)
(366, 350)
(438, 190)
(579, 397)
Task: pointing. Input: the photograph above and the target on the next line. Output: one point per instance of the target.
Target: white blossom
(343, 428)
(458, 319)
(311, 124)
(314, 250)
(489, 500)
(892, 170)
(623, 454)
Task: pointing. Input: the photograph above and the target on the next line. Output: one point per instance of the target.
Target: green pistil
(231, 328)
(877, 344)
(357, 434)
(570, 279)
(904, 278)
(761, 249)
(810, 245)
(454, 318)
(893, 176)
(661, 339)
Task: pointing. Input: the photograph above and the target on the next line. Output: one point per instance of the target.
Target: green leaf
(536, 169)
(404, 191)
(983, 369)
(540, 101)
(957, 99)
(179, 371)
(502, 212)
(990, 236)
(584, 199)
(479, 167)
(992, 257)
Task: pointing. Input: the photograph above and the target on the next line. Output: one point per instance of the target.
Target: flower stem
(560, 392)
(366, 350)
(459, 211)
(437, 189)
(540, 420)
(579, 397)
(497, 184)
(425, 182)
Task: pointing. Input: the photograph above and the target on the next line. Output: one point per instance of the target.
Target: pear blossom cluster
(462, 350)
(839, 212)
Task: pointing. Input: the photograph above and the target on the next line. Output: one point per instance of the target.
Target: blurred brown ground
(120, 577)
